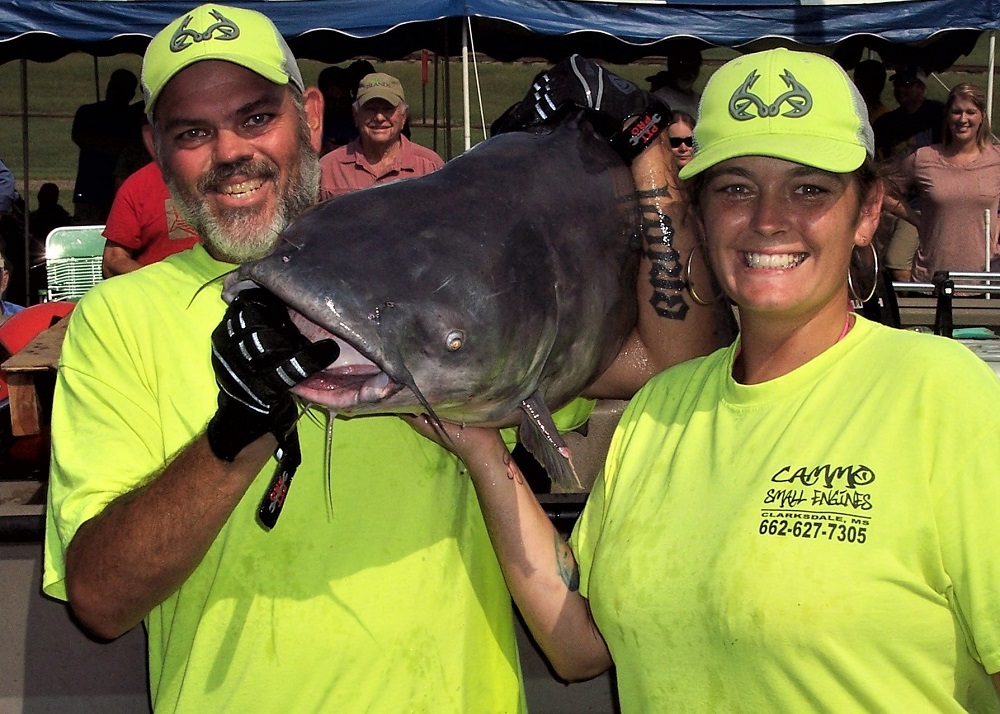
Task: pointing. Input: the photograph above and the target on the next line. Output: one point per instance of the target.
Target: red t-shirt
(144, 218)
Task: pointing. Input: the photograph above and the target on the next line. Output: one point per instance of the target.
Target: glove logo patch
(642, 132)
(797, 97)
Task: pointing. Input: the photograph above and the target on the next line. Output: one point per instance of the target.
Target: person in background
(339, 87)
(750, 495)
(680, 136)
(145, 224)
(915, 123)
(957, 183)
(8, 189)
(102, 130)
(869, 77)
(675, 86)
(49, 215)
(133, 155)
(361, 597)
(6, 308)
(381, 153)
(12, 239)
(358, 70)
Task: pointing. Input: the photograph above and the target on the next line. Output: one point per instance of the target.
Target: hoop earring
(690, 284)
(850, 282)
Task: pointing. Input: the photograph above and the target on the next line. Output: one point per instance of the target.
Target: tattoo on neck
(665, 271)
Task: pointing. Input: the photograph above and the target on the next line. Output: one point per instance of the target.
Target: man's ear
(147, 139)
(313, 102)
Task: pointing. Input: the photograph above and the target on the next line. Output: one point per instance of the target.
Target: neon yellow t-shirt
(823, 542)
(390, 601)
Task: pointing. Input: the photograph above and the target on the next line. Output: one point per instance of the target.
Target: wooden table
(39, 357)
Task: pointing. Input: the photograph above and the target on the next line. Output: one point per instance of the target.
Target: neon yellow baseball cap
(217, 32)
(797, 106)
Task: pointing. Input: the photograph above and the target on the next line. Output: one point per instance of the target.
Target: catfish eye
(455, 340)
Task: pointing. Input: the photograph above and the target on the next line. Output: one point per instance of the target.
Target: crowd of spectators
(941, 156)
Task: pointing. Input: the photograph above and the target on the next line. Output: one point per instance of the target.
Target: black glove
(614, 105)
(258, 356)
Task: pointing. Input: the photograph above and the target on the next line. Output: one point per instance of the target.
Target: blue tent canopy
(333, 30)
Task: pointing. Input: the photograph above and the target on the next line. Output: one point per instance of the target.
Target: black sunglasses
(676, 141)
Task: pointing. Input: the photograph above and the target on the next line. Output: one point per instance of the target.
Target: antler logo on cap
(183, 37)
(799, 99)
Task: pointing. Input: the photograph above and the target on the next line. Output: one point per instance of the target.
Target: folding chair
(73, 261)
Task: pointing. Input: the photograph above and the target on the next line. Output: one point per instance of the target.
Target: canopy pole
(437, 88)
(447, 103)
(25, 175)
(465, 85)
(989, 78)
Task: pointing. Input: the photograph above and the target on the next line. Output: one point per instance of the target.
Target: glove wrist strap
(221, 444)
(641, 130)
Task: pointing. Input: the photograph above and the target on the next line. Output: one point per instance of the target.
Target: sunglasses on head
(676, 141)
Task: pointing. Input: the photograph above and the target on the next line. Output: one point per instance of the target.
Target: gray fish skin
(509, 272)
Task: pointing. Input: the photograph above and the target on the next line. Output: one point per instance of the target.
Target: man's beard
(238, 236)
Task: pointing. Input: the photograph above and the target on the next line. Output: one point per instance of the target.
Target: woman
(765, 535)
(958, 188)
(680, 138)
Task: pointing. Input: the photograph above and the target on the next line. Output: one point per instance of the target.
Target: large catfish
(489, 292)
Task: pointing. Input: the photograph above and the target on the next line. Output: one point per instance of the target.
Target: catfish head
(465, 292)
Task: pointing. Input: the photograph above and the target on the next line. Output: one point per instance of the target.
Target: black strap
(641, 130)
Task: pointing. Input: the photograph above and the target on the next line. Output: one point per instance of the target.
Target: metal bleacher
(73, 261)
(964, 306)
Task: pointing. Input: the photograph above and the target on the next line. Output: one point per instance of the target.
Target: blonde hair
(974, 94)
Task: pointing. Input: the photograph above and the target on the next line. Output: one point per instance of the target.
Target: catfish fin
(540, 437)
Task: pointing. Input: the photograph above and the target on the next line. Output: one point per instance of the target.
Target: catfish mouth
(352, 381)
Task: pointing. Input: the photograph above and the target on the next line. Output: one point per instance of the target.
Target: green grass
(56, 89)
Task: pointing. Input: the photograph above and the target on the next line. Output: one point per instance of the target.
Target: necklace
(847, 327)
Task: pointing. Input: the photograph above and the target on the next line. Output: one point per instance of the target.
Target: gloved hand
(609, 100)
(258, 356)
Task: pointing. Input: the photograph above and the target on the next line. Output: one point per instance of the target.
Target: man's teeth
(774, 261)
(242, 188)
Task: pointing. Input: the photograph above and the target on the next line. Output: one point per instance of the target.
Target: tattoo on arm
(566, 564)
(665, 272)
(663, 191)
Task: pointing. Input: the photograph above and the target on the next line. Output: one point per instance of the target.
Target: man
(675, 86)
(144, 225)
(869, 77)
(381, 153)
(347, 604)
(338, 85)
(916, 122)
(377, 590)
(49, 215)
(102, 130)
